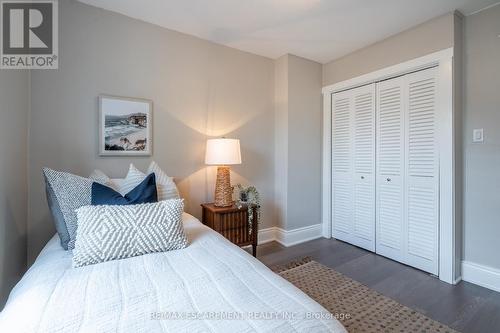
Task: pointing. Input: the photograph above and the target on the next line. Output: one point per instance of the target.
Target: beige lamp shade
(223, 152)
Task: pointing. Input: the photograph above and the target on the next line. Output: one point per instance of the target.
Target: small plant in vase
(249, 196)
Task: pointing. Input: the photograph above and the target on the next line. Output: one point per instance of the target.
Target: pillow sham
(143, 193)
(67, 192)
(134, 177)
(165, 184)
(117, 232)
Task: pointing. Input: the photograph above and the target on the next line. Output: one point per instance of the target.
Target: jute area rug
(357, 307)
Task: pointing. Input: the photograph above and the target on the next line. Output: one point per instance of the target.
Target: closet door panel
(422, 172)
(364, 167)
(342, 211)
(342, 196)
(390, 168)
(353, 161)
(422, 226)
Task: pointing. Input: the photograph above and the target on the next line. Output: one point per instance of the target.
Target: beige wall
(14, 109)
(431, 36)
(281, 139)
(304, 143)
(297, 142)
(199, 89)
(482, 161)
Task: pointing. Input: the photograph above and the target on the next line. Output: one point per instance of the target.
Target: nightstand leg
(254, 250)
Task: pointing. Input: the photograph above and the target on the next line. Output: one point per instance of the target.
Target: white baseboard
(266, 235)
(484, 276)
(290, 237)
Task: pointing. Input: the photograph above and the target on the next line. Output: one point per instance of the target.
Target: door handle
(362, 177)
(389, 179)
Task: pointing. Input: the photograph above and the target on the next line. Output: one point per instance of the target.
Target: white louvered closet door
(407, 170)
(353, 158)
(390, 168)
(385, 168)
(422, 169)
(342, 166)
(364, 167)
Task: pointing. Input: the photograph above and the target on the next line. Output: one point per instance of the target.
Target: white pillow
(118, 182)
(101, 178)
(165, 185)
(134, 177)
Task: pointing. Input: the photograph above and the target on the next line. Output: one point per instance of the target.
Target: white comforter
(211, 286)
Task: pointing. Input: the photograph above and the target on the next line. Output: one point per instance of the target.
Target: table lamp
(223, 152)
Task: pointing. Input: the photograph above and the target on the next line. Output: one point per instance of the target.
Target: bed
(210, 286)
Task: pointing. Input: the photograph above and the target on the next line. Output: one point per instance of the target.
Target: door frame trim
(448, 219)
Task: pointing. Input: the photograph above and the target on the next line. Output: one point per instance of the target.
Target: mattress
(210, 286)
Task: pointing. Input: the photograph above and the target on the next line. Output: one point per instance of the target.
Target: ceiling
(320, 30)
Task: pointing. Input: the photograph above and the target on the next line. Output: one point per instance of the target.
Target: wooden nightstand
(232, 223)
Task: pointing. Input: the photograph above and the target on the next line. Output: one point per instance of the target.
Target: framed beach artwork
(125, 126)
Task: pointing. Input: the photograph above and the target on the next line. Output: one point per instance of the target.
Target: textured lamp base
(223, 189)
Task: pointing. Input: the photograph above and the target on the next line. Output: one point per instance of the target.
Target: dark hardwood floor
(465, 307)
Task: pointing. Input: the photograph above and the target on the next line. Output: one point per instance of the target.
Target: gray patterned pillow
(117, 232)
(71, 192)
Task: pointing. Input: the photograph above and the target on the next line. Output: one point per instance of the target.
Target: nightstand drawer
(232, 223)
(234, 226)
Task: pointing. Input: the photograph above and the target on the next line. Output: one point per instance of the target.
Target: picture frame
(125, 126)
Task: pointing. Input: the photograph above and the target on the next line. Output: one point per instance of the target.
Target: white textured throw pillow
(117, 232)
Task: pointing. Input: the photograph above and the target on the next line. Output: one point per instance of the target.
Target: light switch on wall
(478, 135)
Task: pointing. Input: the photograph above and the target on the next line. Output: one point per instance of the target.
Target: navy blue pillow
(145, 192)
